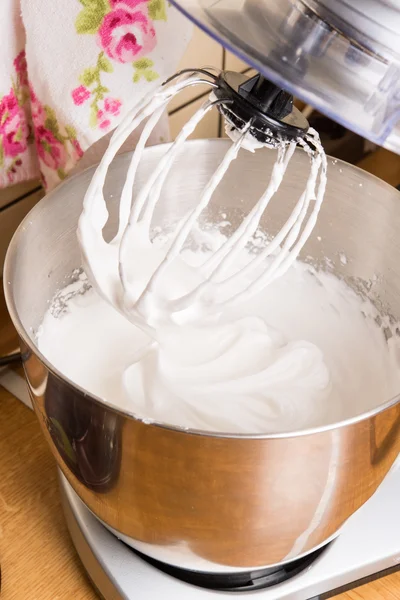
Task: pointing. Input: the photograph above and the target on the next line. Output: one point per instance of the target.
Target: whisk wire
(146, 201)
(187, 225)
(145, 108)
(211, 292)
(127, 190)
(291, 250)
(225, 255)
(290, 229)
(95, 214)
(190, 71)
(183, 135)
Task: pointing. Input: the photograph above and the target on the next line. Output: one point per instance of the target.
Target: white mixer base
(368, 547)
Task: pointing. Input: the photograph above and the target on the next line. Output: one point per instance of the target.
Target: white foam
(305, 351)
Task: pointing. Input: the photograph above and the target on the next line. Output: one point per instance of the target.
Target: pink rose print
(56, 144)
(50, 150)
(130, 3)
(112, 106)
(13, 127)
(38, 114)
(126, 33)
(101, 106)
(80, 95)
(12, 173)
(77, 152)
(16, 156)
(26, 125)
(102, 120)
(21, 68)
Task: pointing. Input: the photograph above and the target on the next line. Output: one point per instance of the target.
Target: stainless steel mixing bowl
(197, 500)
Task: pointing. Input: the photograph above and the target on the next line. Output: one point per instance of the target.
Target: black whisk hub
(268, 108)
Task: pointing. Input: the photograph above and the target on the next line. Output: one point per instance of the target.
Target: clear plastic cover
(341, 57)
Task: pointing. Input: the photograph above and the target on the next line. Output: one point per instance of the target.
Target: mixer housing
(341, 57)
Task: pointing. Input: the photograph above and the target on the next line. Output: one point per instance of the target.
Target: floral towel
(70, 69)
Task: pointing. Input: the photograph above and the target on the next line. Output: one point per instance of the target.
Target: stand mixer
(333, 56)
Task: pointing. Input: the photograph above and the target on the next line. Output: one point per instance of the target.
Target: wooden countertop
(38, 560)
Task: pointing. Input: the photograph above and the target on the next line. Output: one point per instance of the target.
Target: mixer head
(340, 56)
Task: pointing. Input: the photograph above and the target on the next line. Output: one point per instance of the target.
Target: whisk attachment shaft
(270, 109)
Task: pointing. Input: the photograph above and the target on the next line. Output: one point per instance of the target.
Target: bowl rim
(109, 405)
